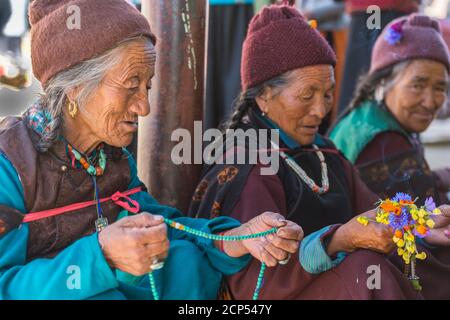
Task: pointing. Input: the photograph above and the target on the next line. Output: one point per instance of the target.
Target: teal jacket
(357, 129)
(193, 270)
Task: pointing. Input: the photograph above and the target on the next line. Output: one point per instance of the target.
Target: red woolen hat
(280, 39)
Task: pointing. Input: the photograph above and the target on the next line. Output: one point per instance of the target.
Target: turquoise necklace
(215, 237)
(94, 171)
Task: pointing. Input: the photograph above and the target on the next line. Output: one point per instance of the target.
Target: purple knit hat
(411, 37)
(279, 39)
(103, 24)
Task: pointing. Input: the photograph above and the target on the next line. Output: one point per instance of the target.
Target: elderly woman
(398, 99)
(288, 82)
(75, 221)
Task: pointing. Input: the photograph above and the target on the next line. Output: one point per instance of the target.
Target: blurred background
(227, 23)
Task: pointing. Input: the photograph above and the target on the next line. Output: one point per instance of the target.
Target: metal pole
(177, 97)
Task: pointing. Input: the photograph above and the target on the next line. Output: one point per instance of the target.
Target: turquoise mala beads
(215, 237)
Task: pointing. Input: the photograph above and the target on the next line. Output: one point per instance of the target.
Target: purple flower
(397, 27)
(394, 33)
(401, 196)
(398, 222)
(429, 204)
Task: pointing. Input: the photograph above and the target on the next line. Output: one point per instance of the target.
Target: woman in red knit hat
(288, 82)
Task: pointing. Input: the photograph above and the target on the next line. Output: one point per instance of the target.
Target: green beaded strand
(215, 237)
(259, 282)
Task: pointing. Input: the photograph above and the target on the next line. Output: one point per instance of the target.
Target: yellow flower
(409, 237)
(400, 251)
(406, 257)
(421, 256)
(430, 223)
(400, 243)
(437, 211)
(422, 213)
(421, 221)
(363, 220)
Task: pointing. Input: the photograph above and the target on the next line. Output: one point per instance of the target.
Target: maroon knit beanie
(411, 37)
(104, 23)
(279, 39)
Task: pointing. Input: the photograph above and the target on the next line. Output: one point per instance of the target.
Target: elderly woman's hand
(353, 235)
(132, 243)
(269, 249)
(440, 234)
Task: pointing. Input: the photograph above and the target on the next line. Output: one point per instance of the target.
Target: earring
(379, 94)
(263, 114)
(73, 109)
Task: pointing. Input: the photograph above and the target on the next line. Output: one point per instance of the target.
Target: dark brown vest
(49, 181)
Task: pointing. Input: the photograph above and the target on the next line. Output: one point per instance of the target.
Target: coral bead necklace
(85, 163)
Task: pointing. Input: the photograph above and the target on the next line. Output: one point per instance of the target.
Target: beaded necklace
(303, 175)
(94, 171)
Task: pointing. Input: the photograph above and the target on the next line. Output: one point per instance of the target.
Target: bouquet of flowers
(409, 223)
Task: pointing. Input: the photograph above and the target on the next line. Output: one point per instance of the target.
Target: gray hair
(387, 83)
(247, 99)
(375, 85)
(86, 77)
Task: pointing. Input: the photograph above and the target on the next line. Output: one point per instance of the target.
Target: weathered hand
(270, 249)
(353, 235)
(132, 243)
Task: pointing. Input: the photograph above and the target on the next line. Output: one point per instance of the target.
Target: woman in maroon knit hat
(288, 82)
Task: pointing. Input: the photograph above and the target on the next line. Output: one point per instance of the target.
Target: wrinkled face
(419, 93)
(112, 111)
(301, 105)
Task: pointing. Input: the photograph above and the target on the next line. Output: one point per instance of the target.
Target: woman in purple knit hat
(398, 99)
(288, 83)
